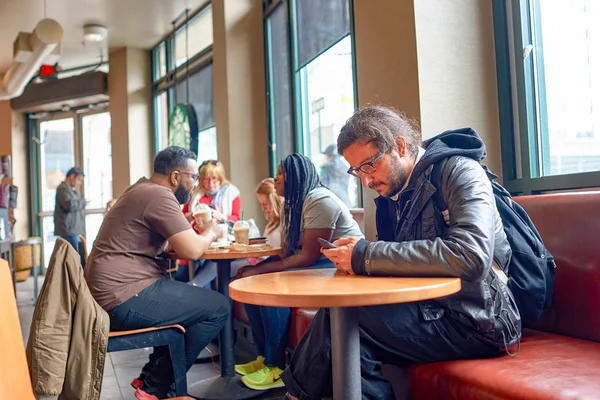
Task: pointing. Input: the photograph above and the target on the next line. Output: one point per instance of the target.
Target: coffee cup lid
(241, 224)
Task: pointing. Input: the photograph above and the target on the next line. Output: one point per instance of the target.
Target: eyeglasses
(194, 176)
(366, 167)
(213, 162)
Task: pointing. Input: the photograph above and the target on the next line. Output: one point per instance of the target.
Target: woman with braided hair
(311, 211)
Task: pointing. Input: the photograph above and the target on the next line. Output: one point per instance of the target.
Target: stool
(27, 255)
(169, 335)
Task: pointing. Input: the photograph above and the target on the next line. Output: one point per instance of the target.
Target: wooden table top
(317, 288)
(228, 254)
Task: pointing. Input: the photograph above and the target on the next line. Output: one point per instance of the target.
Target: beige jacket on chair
(69, 333)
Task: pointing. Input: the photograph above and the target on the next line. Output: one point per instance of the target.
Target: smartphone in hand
(326, 244)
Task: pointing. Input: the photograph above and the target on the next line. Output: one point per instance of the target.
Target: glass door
(97, 167)
(81, 140)
(57, 155)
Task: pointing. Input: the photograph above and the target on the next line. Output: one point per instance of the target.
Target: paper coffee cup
(202, 213)
(241, 231)
(224, 231)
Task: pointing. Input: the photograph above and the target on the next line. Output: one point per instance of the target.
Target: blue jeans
(73, 240)
(270, 326)
(201, 312)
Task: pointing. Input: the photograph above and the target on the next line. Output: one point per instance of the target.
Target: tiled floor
(122, 367)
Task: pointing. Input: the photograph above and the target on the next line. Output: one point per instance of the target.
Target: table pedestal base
(220, 388)
(345, 353)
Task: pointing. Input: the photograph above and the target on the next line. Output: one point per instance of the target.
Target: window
(549, 97)
(278, 72)
(320, 85)
(320, 24)
(73, 139)
(161, 119)
(207, 144)
(200, 86)
(97, 165)
(199, 36)
(569, 87)
(327, 93)
(159, 62)
(182, 63)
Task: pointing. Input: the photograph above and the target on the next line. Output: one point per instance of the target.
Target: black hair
(171, 159)
(75, 171)
(301, 177)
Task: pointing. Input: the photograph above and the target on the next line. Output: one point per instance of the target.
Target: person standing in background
(333, 174)
(69, 207)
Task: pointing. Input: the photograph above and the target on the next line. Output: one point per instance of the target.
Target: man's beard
(395, 180)
(182, 194)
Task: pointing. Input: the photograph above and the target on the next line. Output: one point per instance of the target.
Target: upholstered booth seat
(560, 358)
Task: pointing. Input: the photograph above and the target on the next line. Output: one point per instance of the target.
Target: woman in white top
(271, 205)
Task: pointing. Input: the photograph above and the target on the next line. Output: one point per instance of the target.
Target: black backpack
(531, 268)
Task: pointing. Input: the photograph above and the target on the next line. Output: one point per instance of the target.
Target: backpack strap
(436, 181)
(438, 196)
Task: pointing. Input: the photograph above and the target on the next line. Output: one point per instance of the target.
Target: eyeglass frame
(355, 171)
(194, 176)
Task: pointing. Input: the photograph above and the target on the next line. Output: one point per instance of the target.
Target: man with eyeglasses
(127, 275)
(467, 241)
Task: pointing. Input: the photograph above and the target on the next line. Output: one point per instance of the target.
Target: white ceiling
(134, 23)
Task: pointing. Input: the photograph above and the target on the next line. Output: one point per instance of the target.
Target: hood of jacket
(464, 142)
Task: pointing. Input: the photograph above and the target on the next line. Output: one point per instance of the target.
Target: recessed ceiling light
(95, 33)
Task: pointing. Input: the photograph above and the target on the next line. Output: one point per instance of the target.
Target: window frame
(523, 111)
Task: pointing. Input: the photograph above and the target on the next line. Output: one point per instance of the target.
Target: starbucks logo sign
(183, 127)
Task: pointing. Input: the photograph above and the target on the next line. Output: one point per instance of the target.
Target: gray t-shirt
(324, 210)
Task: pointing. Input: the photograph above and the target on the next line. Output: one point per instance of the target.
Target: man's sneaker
(251, 367)
(264, 379)
(137, 383)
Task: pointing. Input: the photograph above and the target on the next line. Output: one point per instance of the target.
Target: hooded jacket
(69, 333)
(415, 240)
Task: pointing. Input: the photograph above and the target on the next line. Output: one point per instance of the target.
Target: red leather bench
(560, 359)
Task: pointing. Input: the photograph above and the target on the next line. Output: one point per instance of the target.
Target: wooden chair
(168, 335)
(15, 382)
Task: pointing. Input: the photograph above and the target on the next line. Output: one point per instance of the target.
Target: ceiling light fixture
(30, 51)
(95, 33)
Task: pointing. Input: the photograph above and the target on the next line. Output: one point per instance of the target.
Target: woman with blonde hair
(271, 205)
(222, 197)
(215, 191)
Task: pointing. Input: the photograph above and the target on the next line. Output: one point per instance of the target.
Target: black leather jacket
(414, 240)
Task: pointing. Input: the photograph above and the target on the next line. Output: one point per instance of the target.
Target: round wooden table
(225, 387)
(341, 293)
